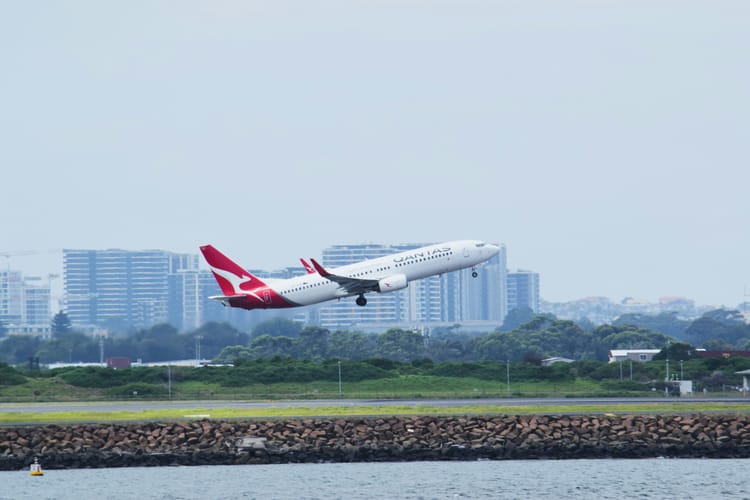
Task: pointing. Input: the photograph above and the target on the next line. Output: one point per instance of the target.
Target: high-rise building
(187, 295)
(37, 304)
(11, 297)
(523, 290)
(120, 287)
(485, 298)
(24, 303)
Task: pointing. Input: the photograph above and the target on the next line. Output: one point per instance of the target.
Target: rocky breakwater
(208, 442)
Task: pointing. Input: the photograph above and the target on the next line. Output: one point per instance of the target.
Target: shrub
(91, 376)
(9, 376)
(485, 370)
(625, 385)
(385, 364)
(137, 390)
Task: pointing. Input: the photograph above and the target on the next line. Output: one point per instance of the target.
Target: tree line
(523, 337)
(714, 374)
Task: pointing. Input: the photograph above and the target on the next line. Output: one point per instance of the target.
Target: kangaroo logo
(239, 283)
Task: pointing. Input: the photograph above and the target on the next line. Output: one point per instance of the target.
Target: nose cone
(492, 250)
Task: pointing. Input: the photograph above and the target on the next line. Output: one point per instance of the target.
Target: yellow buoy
(36, 468)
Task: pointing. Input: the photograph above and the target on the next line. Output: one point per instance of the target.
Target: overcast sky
(605, 143)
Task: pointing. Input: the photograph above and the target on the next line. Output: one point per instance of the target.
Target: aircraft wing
(351, 285)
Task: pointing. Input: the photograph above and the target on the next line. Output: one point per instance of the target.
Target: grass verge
(365, 410)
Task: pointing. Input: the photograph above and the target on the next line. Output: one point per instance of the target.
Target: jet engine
(392, 283)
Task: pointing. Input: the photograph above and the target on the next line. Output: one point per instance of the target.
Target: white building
(616, 355)
(24, 303)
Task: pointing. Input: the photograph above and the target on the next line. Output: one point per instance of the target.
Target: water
(580, 479)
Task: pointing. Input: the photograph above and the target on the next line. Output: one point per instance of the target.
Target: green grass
(407, 386)
(366, 410)
(402, 387)
(47, 389)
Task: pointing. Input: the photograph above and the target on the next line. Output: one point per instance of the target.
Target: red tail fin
(231, 277)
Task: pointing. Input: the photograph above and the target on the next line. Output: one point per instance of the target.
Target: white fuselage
(413, 264)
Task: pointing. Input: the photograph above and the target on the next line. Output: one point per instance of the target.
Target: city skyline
(604, 143)
(57, 294)
(115, 289)
(146, 287)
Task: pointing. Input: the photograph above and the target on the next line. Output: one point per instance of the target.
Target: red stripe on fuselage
(262, 298)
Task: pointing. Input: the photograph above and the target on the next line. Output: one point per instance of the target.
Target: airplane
(383, 274)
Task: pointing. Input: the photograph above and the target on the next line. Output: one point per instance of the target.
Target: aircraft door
(467, 254)
(266, 296)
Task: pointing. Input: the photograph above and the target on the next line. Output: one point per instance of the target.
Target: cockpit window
(480, 244)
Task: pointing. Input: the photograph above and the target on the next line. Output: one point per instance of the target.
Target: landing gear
(474, 272)
(361, 300)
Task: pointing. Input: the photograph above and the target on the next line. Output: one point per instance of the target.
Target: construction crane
(20, 253)
(16, 254)
(8, 255)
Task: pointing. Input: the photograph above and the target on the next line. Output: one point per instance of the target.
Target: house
(617, 355)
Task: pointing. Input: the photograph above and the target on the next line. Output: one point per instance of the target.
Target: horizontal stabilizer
(226, 299)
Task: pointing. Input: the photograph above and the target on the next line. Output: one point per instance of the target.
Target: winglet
(319, 268)
(307, 266)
